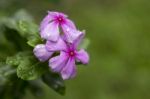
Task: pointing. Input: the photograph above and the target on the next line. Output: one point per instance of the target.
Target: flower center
(71, 53)
(60, 19)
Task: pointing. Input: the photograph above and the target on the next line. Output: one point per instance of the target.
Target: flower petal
(58, 62)
(70, 24)
(51, 32)
(70, 34)
(56, 46)
(69, 71)
(79, 39)
(54, 13)
(47, 19)
(82, 56)
(41, 53)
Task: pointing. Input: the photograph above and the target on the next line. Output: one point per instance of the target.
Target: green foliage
(30, 69)
(30, 31)
(5, 73)
(20, 34)
(16, 59)
(33, 41)
(22, 23)
(23, 15)
(54, 81)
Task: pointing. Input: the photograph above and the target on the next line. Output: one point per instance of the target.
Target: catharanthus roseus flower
(65, 62)
(65, 44)
(49, 28)
(69, 55)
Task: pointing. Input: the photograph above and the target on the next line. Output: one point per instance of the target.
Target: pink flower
(49, 28)
(69, 55)
(65, 63)
(42, 53)
(65, 44)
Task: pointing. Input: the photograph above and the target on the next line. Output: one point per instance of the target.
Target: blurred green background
(119, 33)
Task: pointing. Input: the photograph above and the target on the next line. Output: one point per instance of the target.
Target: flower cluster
(61, 37)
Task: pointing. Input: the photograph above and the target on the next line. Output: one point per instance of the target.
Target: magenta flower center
(71, 53)
(60, 19)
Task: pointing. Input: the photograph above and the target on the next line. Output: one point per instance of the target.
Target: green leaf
(27, 28)
(9, 22)
(33, 41)
(55, 82)
(12, 61)
(30, 31)
(30, 69)
(16, 59)
(12, 22)
(23, 29)
(6, 71)
(23, 15)
(36, 88)
(13, 37)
